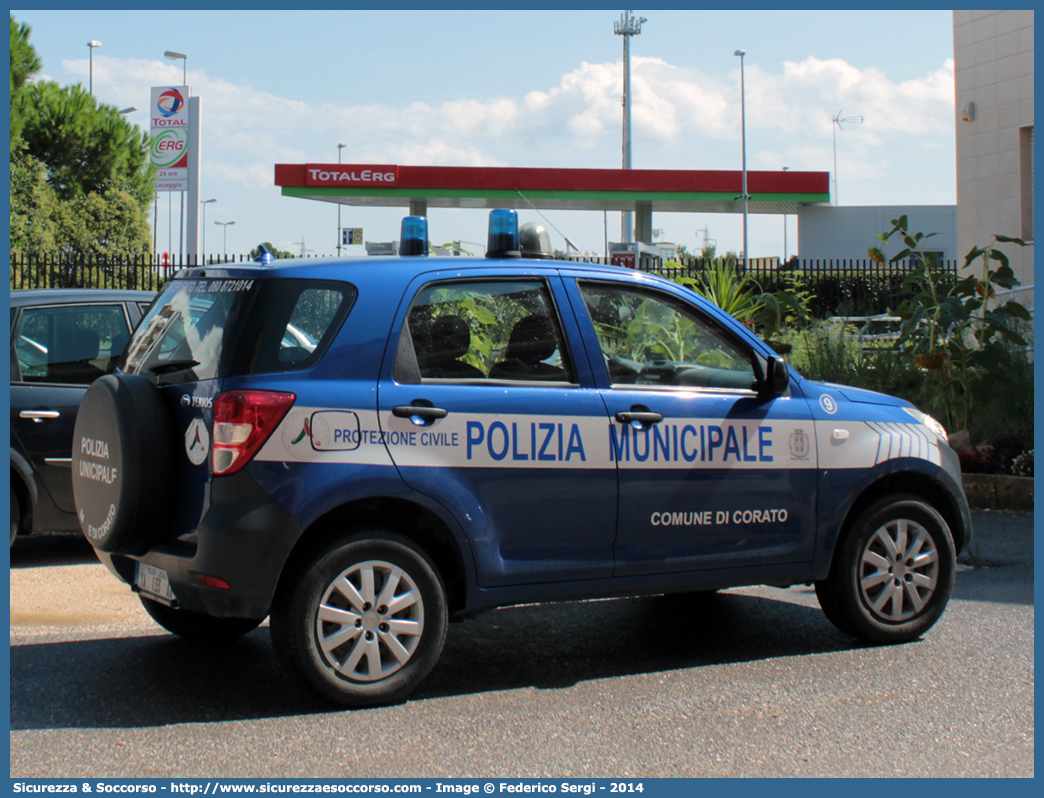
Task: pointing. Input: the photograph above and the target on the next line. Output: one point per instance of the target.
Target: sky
(526, 89)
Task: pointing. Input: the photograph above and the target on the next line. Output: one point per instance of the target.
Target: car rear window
(208, 328)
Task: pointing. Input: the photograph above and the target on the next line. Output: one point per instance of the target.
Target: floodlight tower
(627, 26)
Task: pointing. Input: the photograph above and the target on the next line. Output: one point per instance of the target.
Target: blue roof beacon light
(264, 257)
(503, 234)
(414, 239)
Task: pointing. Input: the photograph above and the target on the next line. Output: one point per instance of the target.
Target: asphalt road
(749, 682)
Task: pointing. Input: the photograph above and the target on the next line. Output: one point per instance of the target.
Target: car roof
(404, 268)
(61, 296)
(382, 268)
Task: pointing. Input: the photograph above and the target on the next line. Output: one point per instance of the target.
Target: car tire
(364, 622)
(16, 514)
(198, 626)
(893, 572)
(123, 464)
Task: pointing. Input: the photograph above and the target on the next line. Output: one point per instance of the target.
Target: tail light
(243, 421)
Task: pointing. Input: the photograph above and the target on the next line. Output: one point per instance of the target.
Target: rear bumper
(244, 540)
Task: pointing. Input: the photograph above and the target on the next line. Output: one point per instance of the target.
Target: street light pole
(339, 148)
(627, 27)
(836, 123)
(92, 44)
(205, 203)
(173, 56)
(743, 134)
(785, 169)
(224, 239)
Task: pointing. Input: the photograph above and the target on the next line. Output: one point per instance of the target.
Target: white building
(993, 54)
(847, 232)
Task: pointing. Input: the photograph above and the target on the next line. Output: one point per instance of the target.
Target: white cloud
(683, 118)
(438, 153)
(673, 107)
(814, 86)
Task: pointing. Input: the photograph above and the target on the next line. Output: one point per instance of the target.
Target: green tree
(25, 63)
(105, 224)
(277, 253)
(81, 180)
(85, 146)
(33, 204)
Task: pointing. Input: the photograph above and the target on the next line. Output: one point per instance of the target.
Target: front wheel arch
(928, 490)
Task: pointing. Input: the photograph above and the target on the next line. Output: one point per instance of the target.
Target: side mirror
(778, 378)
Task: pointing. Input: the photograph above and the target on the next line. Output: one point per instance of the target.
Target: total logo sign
(170, 102)
(169, 107)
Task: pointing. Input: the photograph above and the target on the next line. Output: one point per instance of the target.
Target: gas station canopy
(641, 190)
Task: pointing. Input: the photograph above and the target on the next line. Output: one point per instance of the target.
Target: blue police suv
(361, 449)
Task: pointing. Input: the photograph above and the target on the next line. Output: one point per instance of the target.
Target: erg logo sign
(351, 174)
(169, 150)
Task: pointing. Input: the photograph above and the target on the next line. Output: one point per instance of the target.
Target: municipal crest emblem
(799, 445)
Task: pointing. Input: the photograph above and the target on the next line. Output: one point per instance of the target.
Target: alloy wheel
(898, 571)
(370, 621)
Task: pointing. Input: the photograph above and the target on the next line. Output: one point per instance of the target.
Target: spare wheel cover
(122, 464)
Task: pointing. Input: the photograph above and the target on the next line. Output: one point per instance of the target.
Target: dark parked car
(61, 341)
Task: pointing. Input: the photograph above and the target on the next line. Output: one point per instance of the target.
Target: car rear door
(486, 408)
(56, 352)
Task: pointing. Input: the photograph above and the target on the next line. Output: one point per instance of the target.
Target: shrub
(951, 329)
(979, 460)
(1023, 465)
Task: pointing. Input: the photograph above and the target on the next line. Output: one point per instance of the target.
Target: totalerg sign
(350, 175)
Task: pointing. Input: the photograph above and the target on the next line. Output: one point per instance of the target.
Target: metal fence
(145, 273)
(845, 287)
(836, 287)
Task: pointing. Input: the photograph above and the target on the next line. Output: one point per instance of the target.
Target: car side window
(487, 331)
(651, 338)
(71, 345)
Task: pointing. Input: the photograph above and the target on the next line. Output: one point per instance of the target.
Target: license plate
(153, 580)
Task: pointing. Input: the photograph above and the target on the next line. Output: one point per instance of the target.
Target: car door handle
(420, 411)
(39, 415)
(638, 417)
